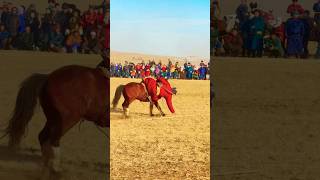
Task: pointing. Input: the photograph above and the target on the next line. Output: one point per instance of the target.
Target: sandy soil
(83, 150)
(172, 147)
(266, 119)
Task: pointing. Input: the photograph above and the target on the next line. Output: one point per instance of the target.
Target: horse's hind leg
(50, 151)
(151, 108)
(125, 106)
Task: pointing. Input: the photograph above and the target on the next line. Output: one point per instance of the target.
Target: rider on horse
(157, 88)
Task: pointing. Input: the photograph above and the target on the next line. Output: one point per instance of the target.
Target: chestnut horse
(149, 90)
(67, 95)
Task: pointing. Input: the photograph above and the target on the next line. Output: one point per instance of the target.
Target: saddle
(159, 84)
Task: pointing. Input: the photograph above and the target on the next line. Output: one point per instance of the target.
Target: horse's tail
(117, 96)
(26, 101)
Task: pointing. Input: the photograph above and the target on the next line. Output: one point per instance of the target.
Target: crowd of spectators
(61, 28)
(153, 69)
(257, 33)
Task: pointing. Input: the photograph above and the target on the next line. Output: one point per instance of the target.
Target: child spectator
(4, 37)
(276, 46)
(56, 40)
(233, 43)
(25, 40)
(91, 44)
(73, 42)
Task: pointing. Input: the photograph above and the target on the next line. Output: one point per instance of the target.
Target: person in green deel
(257, 26)
(276, 48)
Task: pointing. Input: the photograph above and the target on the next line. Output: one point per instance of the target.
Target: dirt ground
(176, 146)
(83, 150)
(266, 119)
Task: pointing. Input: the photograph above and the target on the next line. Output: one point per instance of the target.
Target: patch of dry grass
(173, 147)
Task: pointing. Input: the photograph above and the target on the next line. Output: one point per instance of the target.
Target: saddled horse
(67, 95)
(148, 90)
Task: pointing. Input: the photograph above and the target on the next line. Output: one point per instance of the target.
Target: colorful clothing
(294, 32)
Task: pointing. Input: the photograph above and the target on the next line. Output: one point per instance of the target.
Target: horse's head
(174, 90)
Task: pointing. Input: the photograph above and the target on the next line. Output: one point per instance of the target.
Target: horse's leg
(46, 151)
(151, 108)
(125, 106)
(49, 139)
(159, 108)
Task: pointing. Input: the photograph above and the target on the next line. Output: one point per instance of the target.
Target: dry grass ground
(83, 151)
(266, 119)
(173, 147)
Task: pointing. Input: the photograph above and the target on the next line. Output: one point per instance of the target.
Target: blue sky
(161, 27)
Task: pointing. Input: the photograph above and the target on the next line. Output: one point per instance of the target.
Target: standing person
(316, 10)
(246, 39)
(22, 19)
(163, 71)
(4, 16)
(308, 26)
(60, 18)
(242, 12)
(189, 70)
(34, 23)
(12, 26)
(294, 33)
(202, 73)
(257, 26)
(295, 7)
(4, 37)
(215, 8)
(147, 70)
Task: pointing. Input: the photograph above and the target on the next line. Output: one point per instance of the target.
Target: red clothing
(268, 17)
(295, 8)
(100, 18)
(280, 32)
(138, 67)
(164, 68)
(107, 37)
(230, 39)
(90, 18)
(151, 86)
(147, 70)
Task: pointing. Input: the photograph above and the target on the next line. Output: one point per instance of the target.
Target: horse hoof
(152, 115)
(163, 114)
